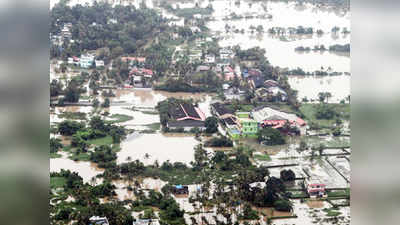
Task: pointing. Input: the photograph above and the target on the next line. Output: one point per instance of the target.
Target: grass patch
(57, 182)
(154, 126)
(150, 112)
(107, 140)
(119, 118)
(80, 157)
(331, 212)
(263, 157)
(73, 115)
(67, 148)
(341, 193)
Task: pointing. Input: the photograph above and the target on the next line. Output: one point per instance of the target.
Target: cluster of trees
(55, 145)
(219, 142)
(271, 136)
(287, 175)
(188, 13)
(86, 197)
(332, 48)
(120, 29)
(97, 129)
(103, 155)
(272, 195)
(300, 30)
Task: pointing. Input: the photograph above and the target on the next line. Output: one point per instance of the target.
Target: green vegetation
(325, 115)
(262, 157)
(73, 115)
(55, 155)
(119, 118)
(331, 212)
(107, 140)
(219, 142)
(57, 182)
(339, 193)
(271, 136)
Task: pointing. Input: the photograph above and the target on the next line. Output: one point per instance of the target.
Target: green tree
(55, 144)
(211, 124)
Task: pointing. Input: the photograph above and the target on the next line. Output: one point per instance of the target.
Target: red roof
(139, 59)
(147, 71)
(228, 68)
(300, 121)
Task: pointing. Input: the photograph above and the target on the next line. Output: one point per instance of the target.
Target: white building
(210, 58)
(97, 220)
(99, 63)
(225, 53)
(86, 61)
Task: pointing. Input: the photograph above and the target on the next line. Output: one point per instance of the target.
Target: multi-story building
(248, 127)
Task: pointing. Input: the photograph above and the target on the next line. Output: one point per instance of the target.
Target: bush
(283, 205)
(219, 142)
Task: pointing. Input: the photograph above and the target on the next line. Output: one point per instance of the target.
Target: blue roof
(179, 186)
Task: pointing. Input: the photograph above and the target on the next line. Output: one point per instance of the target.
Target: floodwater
(158, 146)
(86, 170)
(310, 86)
(280, 49)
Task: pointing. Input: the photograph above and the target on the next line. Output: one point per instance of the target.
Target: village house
(202, 68)
(180, 190)
(86, 61)
(210, 58)
(315, 188)
(133, 60)
(99, 63)
(186, 116)
(225, 53)
(223, 62)
(65, 32)
(146, 222)
(140, 77)
(221, 111)
(97, 220)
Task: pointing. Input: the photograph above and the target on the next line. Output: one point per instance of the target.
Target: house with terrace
(185, 116)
